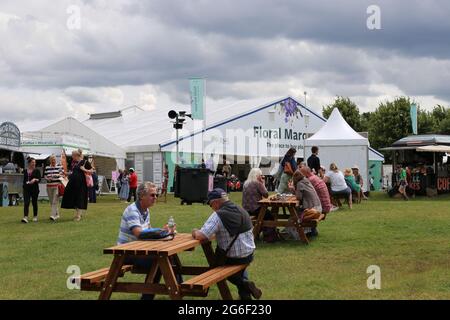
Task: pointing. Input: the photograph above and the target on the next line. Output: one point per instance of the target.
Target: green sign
(197, 89)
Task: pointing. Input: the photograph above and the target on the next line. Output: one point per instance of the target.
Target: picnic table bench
(167, 265)
(283, 220)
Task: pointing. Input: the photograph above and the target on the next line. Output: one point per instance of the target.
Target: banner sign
(197, 90)
(413, 113)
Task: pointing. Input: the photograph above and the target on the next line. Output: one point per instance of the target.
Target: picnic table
(288, 219)
(167, 263)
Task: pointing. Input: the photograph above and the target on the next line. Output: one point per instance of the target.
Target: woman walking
(76, 192)
(52, 174)
(31, 178)
(125, 187)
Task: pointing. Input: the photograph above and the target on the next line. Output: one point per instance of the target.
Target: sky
(72, 57)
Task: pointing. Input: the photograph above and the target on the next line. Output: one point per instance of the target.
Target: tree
(441, 117)
(390, 122)
(425, 122)
(365, 121)
(348, 110)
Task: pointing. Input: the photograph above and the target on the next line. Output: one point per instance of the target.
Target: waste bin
(193, 185)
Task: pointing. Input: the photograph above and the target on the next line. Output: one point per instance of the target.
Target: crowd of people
(76, 183)
(229, 223)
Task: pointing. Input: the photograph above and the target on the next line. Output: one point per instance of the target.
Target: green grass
(409, 241)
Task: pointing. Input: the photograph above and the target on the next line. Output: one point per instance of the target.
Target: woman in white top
(337, 183)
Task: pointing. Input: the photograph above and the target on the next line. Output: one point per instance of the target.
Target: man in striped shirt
(52, 174)
(230, 222)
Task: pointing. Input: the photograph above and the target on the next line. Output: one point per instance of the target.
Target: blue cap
(216, 193)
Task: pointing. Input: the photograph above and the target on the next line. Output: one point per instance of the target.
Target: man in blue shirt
(136, 218)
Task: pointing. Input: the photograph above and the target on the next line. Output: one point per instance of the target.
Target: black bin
(193, 185)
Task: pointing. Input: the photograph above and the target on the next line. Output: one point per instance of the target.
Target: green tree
(425, 122)
(390, 122)
(348, 110)
(441, 117)
(365, 121)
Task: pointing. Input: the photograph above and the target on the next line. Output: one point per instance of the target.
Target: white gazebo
(339, 143)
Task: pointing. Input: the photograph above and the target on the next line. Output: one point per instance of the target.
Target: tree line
(391, 120)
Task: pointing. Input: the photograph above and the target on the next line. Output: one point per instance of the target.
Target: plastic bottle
(171, 225)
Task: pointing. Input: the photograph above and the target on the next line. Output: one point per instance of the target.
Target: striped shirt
(242, 247)
(132, 217)
(52, 174)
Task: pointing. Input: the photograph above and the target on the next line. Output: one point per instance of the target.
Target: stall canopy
(435, 148)
(338, 143)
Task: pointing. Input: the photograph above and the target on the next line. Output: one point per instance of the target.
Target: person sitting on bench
(230, 222)
(136, 218)
(307, 196)
(338, 185)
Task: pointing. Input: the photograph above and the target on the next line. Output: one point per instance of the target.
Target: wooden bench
(93, 280)
(202, 282)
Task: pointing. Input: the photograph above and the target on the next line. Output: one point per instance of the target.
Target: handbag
(89, 180)
(288, 168)
(220, 255)
(155, 234)
(61, 190)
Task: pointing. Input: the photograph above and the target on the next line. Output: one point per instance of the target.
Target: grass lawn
(409, 241)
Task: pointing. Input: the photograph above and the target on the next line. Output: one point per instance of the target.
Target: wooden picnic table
(165, 253)
(281, 220)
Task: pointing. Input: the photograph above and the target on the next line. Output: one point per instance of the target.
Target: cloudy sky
(70, 58)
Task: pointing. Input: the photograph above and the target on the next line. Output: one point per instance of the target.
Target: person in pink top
(320, 187)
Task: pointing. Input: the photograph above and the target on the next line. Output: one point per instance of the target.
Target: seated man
(307, 196)
(226, 222)
(136, 218)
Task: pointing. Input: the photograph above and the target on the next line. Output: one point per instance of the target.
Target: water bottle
(171, 225)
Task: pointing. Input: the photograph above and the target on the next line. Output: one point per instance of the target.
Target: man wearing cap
(133, 181)
(226, 222)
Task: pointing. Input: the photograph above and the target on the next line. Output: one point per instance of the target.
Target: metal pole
(178, 157)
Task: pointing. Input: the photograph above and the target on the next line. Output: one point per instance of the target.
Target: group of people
(342, 184)
(81, 186)
(127, 183)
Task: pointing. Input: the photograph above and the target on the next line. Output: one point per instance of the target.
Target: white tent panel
(98, 144)
(338, 143)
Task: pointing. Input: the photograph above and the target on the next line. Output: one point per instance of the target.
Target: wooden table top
(287, 201)
(181, 242)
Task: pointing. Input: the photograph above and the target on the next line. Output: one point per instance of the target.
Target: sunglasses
(154, 195)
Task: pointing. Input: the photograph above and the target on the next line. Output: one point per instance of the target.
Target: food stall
(426, 158)
(12, 164)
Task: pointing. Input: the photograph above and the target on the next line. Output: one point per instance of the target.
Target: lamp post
(306, 118)
(304, 92)
(178, 124)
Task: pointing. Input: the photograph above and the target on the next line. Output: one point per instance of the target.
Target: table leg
(169, 277)
(111, 278)
(298, 226)
(259, 222)
(153, 276)
(222, 285)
